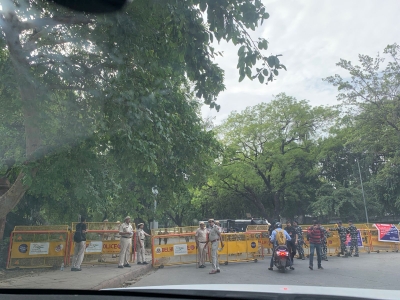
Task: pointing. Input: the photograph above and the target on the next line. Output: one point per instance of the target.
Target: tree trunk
(2, 227)
(9, 200)
(28, 94)
(277, 206)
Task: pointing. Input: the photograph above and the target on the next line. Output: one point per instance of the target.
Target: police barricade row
(181, 249)
(101, 225)
(102, 247)
(38, 246)
(174, 230)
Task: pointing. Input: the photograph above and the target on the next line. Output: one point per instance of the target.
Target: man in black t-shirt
(80, 245)
(293, 242)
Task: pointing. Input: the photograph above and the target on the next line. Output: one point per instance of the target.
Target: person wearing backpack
(279, 237)
(314, 235)
(80, 245)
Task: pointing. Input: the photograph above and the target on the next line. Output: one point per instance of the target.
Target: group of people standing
(212, 236)
(125, 233)
(317, 236)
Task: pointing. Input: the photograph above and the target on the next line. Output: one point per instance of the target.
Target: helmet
(278, 225)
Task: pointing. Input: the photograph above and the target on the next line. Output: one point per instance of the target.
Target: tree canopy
(98, 109)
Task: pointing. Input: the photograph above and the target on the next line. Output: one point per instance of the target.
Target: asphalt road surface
(373, 271)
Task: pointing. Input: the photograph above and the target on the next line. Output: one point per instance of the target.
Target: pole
(362, 188)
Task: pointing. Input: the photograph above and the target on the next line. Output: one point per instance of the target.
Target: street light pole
(155, 193)
(362, 188)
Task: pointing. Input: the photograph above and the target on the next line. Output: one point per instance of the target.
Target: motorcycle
(282, 258)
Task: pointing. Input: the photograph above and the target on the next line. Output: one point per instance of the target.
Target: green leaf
(241, 77)
(248, 72)
(261, 78)
(271, 61)
(265, 72)
(276, 72)
(241, 50)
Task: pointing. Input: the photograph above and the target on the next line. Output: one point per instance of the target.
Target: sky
(312, 36)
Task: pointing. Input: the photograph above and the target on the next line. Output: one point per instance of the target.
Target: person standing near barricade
(201, 241)
(314, 234)
(213, 237)
(219, 226)
(126, 233)
(324, 241)
(342, 236)
(140, 244)
(80, 245)
(293, 239)
(352, 230)
(300, 240)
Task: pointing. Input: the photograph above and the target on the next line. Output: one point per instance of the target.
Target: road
(374, 271)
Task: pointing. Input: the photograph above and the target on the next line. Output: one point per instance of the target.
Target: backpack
(280, 237)
(78, 236)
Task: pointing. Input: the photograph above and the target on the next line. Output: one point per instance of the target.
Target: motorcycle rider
(272, 238)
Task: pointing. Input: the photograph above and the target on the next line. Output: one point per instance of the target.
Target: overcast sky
(312, 35)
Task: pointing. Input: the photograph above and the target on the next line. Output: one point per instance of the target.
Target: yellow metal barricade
(257, 228)
(102, 247)
(174, 230)
(101, 225)
(180, 249)
(379, 246)
(239, 247)
(38, 246)
(264, 243)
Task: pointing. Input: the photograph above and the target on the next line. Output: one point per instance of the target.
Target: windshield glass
(166, 140)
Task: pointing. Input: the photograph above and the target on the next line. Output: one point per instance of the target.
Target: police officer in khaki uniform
(126, 233)
(213, 237)
(219, 226)
(201, 240)
(140, 244)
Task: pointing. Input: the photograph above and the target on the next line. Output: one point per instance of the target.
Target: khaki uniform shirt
(140, 235)
(213, 235)
(201, 235)
(126, 228)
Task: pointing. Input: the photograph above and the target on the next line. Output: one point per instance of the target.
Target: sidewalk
(92, 277)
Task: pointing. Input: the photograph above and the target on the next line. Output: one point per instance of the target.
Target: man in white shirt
(213, 237)
(126, 233)
(201, 241)
(140, 244)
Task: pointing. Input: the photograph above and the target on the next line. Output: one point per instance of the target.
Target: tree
(372, 98)
(113, 85)
(269, 158)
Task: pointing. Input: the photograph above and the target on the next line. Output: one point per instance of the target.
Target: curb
(118, 281)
